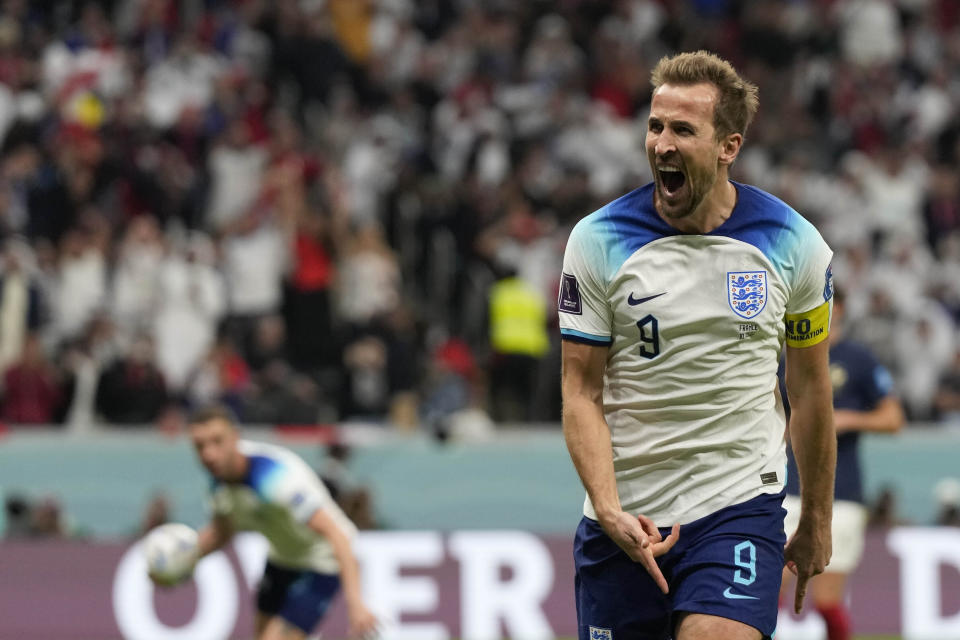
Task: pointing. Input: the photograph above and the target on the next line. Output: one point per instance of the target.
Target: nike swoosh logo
(736, 596)
(635, 301)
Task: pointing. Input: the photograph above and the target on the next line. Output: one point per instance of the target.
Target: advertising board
(425, 585)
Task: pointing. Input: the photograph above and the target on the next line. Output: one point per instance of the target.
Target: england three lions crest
(747, 292)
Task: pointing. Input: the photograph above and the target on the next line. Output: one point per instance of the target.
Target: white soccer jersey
(277, 498)
(695, 324)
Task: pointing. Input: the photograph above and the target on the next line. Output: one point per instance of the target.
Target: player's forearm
(814, 443)
(812, 431)
(588, 441)
(323, 524)
(349, 570)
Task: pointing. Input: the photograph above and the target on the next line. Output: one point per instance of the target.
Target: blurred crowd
(356, 210)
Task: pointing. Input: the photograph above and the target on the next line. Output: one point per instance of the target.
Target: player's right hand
(641, 540)
(363, 624)
(806, 555)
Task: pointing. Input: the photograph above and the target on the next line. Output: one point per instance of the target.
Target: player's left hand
(640, 539)
(807, 554)
(363, 624)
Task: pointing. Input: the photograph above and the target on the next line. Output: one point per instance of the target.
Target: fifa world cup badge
(569, 301)
(828, 282)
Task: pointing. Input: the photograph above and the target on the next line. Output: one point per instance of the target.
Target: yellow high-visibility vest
(518, 319)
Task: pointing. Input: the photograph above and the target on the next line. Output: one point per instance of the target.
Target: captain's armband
(808, 328)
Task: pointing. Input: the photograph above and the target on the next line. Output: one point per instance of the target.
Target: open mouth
(671, 178)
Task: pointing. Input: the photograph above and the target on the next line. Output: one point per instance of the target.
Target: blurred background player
(267, 488)
(863, 400)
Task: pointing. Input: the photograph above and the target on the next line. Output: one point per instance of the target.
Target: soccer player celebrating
(267, 488)
(863, 400)
(675, 302)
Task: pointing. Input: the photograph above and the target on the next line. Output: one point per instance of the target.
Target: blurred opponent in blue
(863, 400)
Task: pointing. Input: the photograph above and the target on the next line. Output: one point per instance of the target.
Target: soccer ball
(170, 550)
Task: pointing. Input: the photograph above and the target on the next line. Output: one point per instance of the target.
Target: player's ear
(730, 148)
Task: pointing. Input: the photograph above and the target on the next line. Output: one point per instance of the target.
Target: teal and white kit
(695, 324)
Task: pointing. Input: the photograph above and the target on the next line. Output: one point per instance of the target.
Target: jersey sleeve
(582, 305)
(810, 304)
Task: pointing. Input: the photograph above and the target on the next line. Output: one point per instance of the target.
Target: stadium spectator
(877, 327)
(368, 284)
(309, 292)
(869, 31)
(236, 168)
(947, 493)
(308, 312)
(946, 400)
(269, 343)
(451, 383)
(191, 303)
(17, 169)
(131, 390)
(883, 510)
(518, 340)
(381, 368)
(81, 283)
(135, 290)
(22, 302)
(925, 346)
(47, 519)
(354, 498)
(31, 388)
(279, 395)
(222, 376)
(941, 207)
(83, 360)
(17, 514)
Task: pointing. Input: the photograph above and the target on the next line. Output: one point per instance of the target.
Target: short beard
(675, 214)
(696, 198)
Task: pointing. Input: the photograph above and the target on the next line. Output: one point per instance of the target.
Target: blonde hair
(738, 99)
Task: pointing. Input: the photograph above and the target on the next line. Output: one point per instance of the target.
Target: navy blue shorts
(300, 597)
(727, 564)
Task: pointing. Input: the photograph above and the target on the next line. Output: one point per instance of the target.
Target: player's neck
(713, 211)
(239, 468)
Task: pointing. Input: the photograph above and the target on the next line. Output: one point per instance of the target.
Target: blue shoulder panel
(760, 219)
(263, 475)
(625, 225)
(767, 223)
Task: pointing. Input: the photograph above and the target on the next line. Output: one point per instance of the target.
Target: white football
(170, 550)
